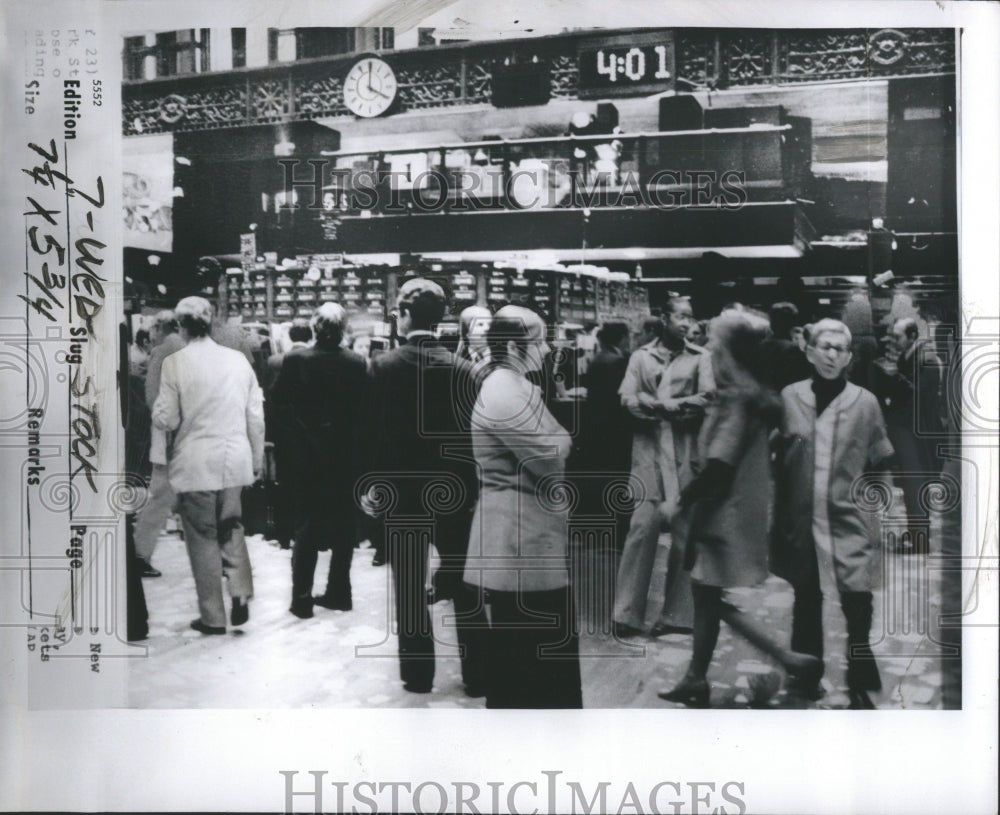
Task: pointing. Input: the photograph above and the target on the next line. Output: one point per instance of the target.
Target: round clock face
(370, 87)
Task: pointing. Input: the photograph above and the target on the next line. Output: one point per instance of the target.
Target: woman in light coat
(518, 548)
(726, 506)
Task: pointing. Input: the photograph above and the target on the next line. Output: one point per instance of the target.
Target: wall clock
(369, 87)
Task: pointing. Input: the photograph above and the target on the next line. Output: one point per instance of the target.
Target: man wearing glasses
(823, 546)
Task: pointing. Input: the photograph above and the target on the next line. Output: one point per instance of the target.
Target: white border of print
(837, 762)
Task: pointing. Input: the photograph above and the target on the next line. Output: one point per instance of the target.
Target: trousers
(137, 615)
(313, 535)
(917, 465)
(533, 651)
(408, 551)
(213, 533)
(807, 629)
(159, 504)
(636, 571)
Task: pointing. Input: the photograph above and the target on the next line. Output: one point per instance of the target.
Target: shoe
(302, 608)
(148, 570)
(240, 612)
(805, 669)
(662, 629)
(624, 631)
(417, 687)
(475, 691)
(691, 692)
(859, 700)
(813, 692)
(199, 626)
(332, 603)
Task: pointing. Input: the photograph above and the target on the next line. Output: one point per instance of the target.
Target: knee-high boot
(693, 689)
(804, 667)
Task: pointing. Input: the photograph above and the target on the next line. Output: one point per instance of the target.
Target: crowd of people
(742, 437)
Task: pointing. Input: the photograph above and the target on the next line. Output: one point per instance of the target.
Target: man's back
(422, 399)
(321, 387)
(209, 394)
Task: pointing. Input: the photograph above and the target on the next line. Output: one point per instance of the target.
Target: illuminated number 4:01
(632, 64)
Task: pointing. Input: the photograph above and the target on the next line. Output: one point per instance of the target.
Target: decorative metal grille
(430, 86)
(565, 74)
(272, 101)
(746, 58)
(320, 96)
(696, 57)
(451, 77)
(479, 81)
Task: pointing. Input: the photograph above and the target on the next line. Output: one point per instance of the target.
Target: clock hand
(372, 90)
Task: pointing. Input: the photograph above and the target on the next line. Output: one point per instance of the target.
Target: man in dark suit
(606, 441)
(910, 394)
(300, 334)
(421, 404)
(319, 403)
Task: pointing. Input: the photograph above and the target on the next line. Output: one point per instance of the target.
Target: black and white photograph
(593, 404)
(728, 262)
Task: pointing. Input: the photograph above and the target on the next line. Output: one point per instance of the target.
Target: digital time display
(627, 67)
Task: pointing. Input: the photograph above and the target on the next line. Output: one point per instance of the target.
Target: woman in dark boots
(726, 506)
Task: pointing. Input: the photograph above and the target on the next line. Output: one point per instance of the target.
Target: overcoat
(519, 530)
(731, 535)
(651, 376)
(318, 399)
(820, 498)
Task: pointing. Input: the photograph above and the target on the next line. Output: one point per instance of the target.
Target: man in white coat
(209, 395)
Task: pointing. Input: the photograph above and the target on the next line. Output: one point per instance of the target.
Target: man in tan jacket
(218, 449)
(666, 388)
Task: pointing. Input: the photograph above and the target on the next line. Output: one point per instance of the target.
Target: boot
(692, 691)
(804, 668)
(302, 607)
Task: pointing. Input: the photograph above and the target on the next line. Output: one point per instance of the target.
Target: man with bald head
(473, 324)
(319, 401)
